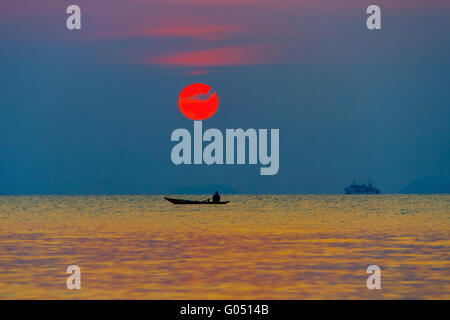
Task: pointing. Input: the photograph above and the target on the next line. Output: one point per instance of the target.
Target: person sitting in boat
(216, 197)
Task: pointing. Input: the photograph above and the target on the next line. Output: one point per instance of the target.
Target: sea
(255, 247)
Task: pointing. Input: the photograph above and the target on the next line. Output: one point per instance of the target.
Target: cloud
(224, 56)
(201, 96)
(202, 32)
(196, 72)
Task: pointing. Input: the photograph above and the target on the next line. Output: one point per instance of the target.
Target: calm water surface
(256, 247)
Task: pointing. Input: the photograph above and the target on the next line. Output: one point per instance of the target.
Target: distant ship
(361, 189)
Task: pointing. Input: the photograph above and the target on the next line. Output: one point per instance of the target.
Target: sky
(91, 111)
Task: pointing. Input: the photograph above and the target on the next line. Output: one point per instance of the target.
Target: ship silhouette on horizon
(361, 189)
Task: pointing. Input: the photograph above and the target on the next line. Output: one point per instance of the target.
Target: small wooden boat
(181, 201)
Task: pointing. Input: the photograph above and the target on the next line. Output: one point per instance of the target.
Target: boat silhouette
(361, 189)
(182, 201)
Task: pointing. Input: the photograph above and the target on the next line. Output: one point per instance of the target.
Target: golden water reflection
(256, 247)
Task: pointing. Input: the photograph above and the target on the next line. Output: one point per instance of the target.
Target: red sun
(198, 101)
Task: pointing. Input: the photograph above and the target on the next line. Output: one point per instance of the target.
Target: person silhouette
(216, 197)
